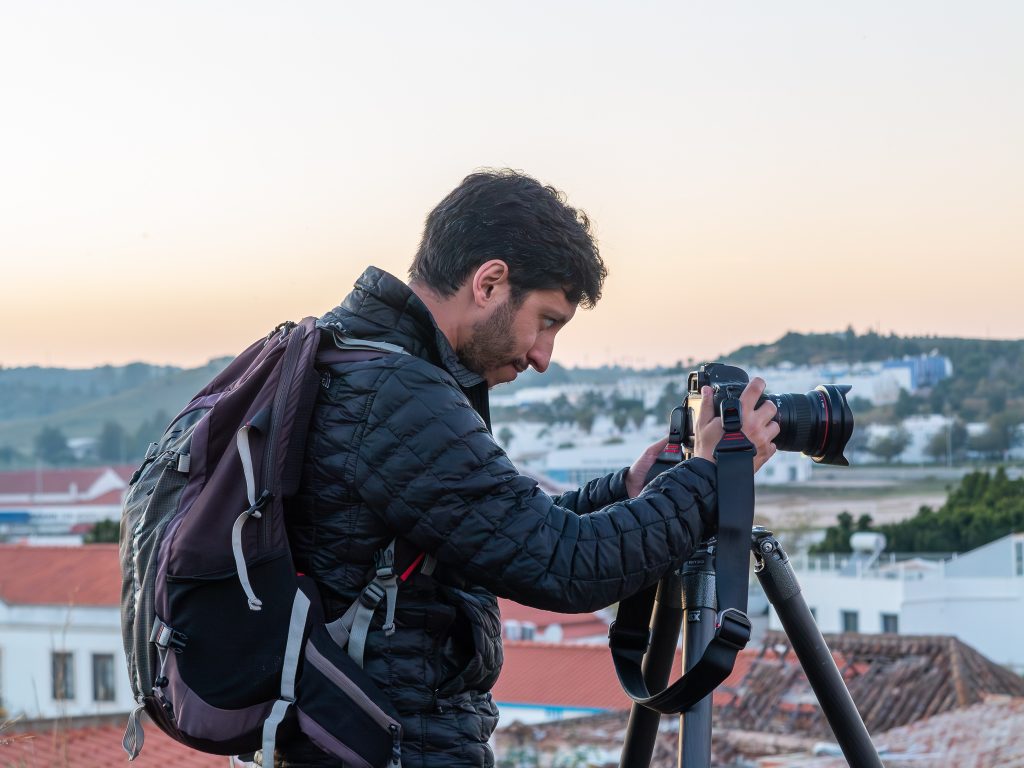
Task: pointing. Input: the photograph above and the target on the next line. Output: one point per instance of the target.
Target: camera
(818, 423)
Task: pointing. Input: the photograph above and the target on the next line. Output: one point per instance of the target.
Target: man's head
(506, 262)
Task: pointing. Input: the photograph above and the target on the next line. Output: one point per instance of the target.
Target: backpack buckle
(384, 562)
(372, 595)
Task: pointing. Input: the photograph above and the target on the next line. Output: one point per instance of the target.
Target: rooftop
(894, 680)
(55, 744)
(88, 575)
(557, 675)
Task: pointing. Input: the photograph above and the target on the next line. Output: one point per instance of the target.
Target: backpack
(226, 644)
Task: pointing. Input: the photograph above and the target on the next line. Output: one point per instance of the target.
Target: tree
(670, 398)
(982, 508)
(837, 537)
(8, 454)
(104, 532)
(621, 419)
(947, 442)
(585, 417)
(52, 446)
(999, 435)
(905, 405)
(112, 444)
(505, 436)
(148, 432)
(888, 447)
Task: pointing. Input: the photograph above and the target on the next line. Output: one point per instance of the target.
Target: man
(400, 449)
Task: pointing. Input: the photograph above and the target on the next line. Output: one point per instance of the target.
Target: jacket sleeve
(428, 466)
(596, 494)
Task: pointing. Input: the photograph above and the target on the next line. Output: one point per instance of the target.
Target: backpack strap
(256, 504)
(343, 342)
(289, 671)
(350, 631)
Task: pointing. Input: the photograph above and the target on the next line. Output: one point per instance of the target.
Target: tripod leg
(642, 729)
(700, 604)
(780, 585)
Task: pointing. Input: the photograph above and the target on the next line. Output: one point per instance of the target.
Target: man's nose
(539, 356)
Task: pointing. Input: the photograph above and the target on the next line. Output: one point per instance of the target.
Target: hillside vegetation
(982, 508)
(123, 406)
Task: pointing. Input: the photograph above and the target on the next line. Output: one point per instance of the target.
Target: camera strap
(629, 634)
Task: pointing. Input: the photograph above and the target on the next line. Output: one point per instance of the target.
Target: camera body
(818, 423)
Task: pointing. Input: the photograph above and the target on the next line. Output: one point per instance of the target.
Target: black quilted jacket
(400, 446)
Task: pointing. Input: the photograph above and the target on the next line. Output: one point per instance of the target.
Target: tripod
(691, 591)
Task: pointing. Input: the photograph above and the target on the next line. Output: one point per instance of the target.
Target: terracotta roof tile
(576, 676)
(893, 679)
(89, 575)
(97, 746)
(986, 735)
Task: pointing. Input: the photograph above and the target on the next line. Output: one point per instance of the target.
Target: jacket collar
(383, 308)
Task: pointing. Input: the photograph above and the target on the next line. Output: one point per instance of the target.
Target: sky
(178, 178)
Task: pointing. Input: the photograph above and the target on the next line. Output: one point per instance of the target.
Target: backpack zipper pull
(134, 736)
(396, 746)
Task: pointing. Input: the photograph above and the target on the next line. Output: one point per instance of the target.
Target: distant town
(911, 560)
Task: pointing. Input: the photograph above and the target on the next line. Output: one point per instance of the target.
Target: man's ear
(490, 282)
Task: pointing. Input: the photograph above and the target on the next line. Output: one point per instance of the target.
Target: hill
(80, 402)
(988, 379)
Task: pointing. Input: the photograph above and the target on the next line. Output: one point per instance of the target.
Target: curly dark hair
(504, 214)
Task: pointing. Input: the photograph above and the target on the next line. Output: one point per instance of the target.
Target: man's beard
(493, 343)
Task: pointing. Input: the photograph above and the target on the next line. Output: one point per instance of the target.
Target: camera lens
(818, 423)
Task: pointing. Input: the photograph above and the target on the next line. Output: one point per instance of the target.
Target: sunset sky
(177, 178)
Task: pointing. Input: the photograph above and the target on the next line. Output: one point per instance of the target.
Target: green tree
(112, 444)
(905, 406)
(670, 398)
(51, 445)
(505, 436)
(999, 435)
(837, 537)
(948, 442)
(889, 446)
(104, 532)
(149, 431)
(621, 419)
(982, 508)
(585, 417)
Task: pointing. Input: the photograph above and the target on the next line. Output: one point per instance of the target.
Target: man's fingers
(707, 405)
(751, 393)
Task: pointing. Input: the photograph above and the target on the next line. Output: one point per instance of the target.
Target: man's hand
(757, 424)
(636, 478)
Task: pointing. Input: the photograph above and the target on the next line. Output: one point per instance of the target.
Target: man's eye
(548, 323)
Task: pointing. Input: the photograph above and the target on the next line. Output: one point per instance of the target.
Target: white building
(977, 597)
(61, 653)
(55, 501)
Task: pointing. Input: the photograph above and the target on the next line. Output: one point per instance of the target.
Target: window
(102, 677)
(63, 675)
(1018, 549)
(849, 620)
(890, 623)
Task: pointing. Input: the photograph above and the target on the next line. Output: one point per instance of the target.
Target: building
(61, 653)
(966, 596)
(900, 685)
(521, 622)
(54, 501)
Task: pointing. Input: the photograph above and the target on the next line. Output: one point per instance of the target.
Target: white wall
(985, 613)
(829, 594)
(998, 558)
(28, 637)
